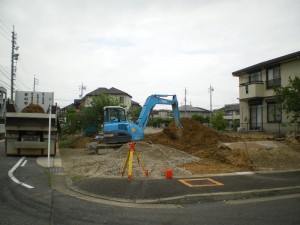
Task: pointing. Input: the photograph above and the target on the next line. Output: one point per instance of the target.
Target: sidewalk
(180, 190)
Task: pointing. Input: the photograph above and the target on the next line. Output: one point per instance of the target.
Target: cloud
(147, 47)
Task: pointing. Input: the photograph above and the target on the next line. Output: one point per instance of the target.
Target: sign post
(49, 135)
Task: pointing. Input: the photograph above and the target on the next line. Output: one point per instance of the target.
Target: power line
(4, 30)
(18, 87)
(5, 74)
(4, 36)
(7, 28)
(5, 84)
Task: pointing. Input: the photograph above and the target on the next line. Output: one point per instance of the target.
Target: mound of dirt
(32, 108)
(191, 138)
(203, 142)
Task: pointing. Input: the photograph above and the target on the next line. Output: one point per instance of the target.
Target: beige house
(188, 111)
(162, 113)
(231, 113)
(121, 96)
(258, 107)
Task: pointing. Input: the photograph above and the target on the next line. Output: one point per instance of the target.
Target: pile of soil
(191, 138)
(33, 108)
(203, 142)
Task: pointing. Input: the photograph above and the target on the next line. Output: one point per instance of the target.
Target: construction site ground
(194, 150)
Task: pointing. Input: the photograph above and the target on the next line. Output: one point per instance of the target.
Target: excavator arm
(151, 102)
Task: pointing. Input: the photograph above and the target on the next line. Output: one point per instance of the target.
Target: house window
(121, 99)
(255, 78)
(274, 112)
(273, 77)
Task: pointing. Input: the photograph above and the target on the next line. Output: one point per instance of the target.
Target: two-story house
(258, 107)
(231, 113)
(121, 96)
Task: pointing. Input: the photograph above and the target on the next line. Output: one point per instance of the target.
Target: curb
(195, 198)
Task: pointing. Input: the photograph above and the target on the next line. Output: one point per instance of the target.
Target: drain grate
(56, 170)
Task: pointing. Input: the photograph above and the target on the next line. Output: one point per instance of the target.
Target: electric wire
(5, 37)
(4, 72)
(3, 24)
(6, 31)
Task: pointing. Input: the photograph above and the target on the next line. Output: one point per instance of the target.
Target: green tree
(73, 122)
(289, 98)
(217, 120)
(92, 117)
(159, 122)
(89, 119)
(133, 113)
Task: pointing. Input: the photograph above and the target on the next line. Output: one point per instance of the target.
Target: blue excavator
(118, 130)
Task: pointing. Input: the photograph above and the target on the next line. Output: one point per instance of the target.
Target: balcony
(254, 89)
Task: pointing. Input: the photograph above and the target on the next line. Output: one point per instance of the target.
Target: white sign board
(43, 99)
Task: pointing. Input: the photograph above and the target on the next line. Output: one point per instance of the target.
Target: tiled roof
(112, 90)
(134, 103)
(269, 63)
(189, 108)
(231, 107)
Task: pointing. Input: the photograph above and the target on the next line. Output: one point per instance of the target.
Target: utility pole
(185, 92)
(35, 82)
(14, 58)
(210, 90)
(81, 89)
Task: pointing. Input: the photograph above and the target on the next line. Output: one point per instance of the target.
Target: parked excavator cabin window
(114, 114)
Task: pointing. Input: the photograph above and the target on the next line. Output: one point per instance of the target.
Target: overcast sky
(144, 47)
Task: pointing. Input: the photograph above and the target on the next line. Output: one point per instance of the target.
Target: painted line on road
(23, 164)
(11, 174)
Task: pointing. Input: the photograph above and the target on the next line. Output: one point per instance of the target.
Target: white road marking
(11, 174)
(23, 164)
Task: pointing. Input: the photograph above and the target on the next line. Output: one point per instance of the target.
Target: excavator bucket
(176, 112)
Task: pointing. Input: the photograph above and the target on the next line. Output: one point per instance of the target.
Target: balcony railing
(252, 89)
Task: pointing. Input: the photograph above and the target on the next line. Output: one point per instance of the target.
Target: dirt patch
(195, 149)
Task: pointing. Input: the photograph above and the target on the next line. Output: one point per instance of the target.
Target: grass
(68, 141)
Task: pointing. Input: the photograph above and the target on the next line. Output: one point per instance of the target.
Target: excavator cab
(113, 114)
(115, 125)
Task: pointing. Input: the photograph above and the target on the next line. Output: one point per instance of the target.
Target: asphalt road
(44, 206)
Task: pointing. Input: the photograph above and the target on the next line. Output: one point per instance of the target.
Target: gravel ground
(155, 158)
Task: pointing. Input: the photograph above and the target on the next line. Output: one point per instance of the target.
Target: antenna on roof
(81, 89)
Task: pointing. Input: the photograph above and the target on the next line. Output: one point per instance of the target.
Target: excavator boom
(154, 100)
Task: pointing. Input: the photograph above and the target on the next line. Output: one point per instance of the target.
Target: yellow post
(125, 164)
(131, 150)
